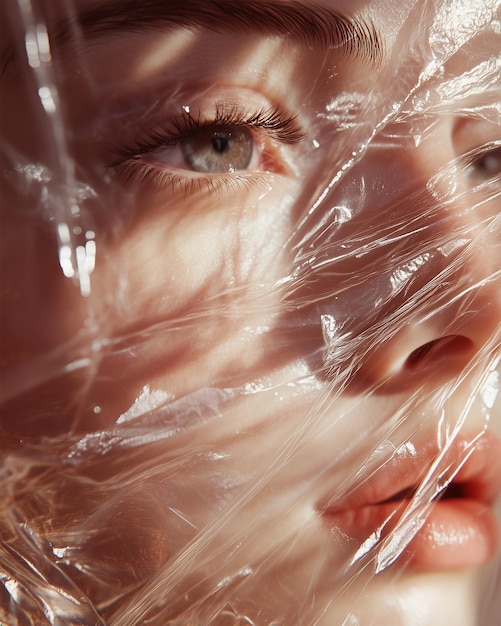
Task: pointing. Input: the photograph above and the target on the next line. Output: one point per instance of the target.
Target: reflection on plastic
(262, 390)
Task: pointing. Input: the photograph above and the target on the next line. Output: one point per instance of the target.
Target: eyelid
(157, 180)
(471, 133)
(278, 123)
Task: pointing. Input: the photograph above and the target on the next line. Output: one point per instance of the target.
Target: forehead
(388, 14)
(391, 20)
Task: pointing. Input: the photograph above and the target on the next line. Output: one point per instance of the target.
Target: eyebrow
(305, 22)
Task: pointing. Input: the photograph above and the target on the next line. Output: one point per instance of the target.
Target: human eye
(192, 151)
(478, 144)
(484, 163)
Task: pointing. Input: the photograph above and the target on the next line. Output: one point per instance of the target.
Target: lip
(456, 529)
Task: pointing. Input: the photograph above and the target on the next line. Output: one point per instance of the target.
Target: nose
(418, 300)
(432, 348)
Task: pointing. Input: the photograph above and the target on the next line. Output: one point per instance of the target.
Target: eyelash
(273, 124)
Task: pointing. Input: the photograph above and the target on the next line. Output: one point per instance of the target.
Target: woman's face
(251, 309)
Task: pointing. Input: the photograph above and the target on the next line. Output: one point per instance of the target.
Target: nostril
(454, 347)
(405, 363)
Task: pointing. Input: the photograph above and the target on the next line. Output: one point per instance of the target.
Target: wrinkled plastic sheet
(250, 313)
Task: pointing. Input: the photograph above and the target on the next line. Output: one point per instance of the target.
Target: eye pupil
(218, 148)
(220, 144)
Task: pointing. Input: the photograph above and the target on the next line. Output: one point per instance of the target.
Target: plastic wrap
(250, 318)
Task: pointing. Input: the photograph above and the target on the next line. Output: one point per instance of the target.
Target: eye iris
(222, 149)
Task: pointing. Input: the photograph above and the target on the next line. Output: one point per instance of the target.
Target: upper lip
(464, 467)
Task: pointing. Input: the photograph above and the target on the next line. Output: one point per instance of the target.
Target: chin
(413, 599)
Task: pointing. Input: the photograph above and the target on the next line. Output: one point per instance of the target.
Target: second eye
(486, 165)
(215, 149)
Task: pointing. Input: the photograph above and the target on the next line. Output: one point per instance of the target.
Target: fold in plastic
(251, 304)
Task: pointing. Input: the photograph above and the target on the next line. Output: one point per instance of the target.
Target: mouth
(436, 509)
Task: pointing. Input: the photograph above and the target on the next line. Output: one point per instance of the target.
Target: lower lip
(457, 533)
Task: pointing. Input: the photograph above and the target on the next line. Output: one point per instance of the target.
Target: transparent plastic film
(250, 317)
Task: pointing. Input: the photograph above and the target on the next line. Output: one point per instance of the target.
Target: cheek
(193, 258)
(182, 299)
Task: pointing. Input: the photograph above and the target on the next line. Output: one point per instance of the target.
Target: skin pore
(250, 344)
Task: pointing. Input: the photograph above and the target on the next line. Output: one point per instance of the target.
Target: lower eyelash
(135, 172)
